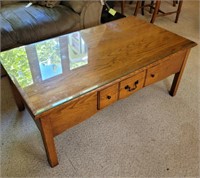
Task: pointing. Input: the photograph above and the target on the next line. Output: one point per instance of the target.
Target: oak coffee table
(65, 80)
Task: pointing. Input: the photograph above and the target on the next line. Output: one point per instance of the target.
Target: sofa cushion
(77, 6)
(21, 25)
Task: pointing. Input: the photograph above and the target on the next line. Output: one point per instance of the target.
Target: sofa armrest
(91, 13)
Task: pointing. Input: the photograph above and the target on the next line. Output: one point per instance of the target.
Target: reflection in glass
(48, 53)
(78, 51)
(17, 66)
(40, 61)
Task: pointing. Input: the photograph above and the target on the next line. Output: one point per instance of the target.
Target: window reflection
(48, 53)
(17, 66)
(78, 51)
(43, 60)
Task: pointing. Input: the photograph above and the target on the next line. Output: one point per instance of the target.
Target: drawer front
(108, 96)
(131, 85)
(170, 66)
(72, 113)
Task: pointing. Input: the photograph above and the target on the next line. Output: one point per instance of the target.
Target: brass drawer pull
(128, 88)
(108, 97)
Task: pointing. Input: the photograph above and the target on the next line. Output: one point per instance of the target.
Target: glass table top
(57, 70)
(21, 63)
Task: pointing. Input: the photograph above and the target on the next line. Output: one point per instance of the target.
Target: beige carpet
(149, 134)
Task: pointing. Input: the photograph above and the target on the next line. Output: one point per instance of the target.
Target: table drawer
(131, 85)
(71, 113)
(108, 96)
(169, 66)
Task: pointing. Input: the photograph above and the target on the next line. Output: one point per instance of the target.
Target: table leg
(156, 11)
(138, 5)
(178, 10)
(177, 77)
(48, 140)
(142, 7)
(17, 96)
(122, 6)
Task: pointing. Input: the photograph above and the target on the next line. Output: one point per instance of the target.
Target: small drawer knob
(108, 97)
(152, 75)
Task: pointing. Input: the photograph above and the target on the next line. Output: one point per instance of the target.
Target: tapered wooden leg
(174, 3)
(122, 6)
(151, 7)
(47, 136)
(155, 13)
(177, 77)
(142, 7)
(17, 97)
(138, 4)
(178, 10)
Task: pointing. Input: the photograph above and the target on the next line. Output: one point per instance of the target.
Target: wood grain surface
(114, 50)
(123, 57)
(108, 96)
(170, 65)
(131, 85)
(72, 113)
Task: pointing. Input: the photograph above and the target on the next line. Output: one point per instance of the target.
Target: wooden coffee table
(65, 80)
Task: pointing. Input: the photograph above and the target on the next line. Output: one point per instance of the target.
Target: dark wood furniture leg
(17, 97)
(151, 7)
(156, 10)
(138, 3)
(142, 7)
(47, 136)
(175, 2)
(177, 77)
(178, 10)
(122, 6)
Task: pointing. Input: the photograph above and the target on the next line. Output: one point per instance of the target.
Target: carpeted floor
(149, 134)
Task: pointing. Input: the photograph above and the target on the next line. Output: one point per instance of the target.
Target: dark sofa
(22, 25)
